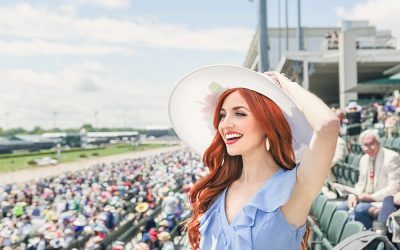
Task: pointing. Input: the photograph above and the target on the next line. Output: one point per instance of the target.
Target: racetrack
(46, 171)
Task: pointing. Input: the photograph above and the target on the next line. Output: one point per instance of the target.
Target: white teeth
(230, 136)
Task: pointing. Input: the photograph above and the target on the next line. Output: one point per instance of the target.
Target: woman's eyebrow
(236, 108)
(239, 107)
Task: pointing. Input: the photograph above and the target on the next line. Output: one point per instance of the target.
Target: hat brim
(358, 108)
(142, 207)
(193, 100)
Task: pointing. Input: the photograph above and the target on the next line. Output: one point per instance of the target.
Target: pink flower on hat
(209, 103)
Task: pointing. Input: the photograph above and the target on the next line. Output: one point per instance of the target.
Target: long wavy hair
(224, 169)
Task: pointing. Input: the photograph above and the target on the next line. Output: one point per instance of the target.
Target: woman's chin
(233, 152)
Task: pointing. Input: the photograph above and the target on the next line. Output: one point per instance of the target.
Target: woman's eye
(240, 114)
(221, 116)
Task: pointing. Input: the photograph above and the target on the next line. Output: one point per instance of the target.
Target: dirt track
(39, 172)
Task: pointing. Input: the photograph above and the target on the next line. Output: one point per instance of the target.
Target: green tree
(55, 130)
(88, 127)
(37, 130)
(14, 131)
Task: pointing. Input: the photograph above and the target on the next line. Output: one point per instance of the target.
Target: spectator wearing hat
(166, 243)
(353, 116)
(151, 239)
(141, 246)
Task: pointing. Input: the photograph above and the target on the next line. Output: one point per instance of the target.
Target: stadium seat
(334, 233)
(336, 226)
(383, 141)
(388, 143)
(321, 202)
(316, 209)
(335, 169)
(351, 227)
(396, 145)
(314, 203)
(354, 170)
(326, 217)
(346, 169)
(341, 168)
(381, 246)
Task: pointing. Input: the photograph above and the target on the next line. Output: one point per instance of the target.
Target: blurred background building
(339, 64)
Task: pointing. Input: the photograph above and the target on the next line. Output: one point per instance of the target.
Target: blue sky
(65, 61)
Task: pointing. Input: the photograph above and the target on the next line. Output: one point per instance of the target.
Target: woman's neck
(258, 166)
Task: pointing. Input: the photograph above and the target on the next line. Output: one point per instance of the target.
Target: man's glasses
(368, 145)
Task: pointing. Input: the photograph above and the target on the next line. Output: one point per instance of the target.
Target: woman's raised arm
(316, 161)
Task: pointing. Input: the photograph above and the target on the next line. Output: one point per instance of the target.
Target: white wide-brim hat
(193, 100)
(353, 105)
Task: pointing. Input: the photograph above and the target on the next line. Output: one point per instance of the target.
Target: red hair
(224, 169)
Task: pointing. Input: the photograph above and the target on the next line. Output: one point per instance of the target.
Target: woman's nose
(227, 122)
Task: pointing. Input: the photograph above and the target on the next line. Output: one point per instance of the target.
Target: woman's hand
(280, 79)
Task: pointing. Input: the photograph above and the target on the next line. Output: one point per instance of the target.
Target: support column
(306, 83)
(347, 64)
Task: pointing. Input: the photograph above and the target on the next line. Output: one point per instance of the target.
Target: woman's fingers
(274, 76)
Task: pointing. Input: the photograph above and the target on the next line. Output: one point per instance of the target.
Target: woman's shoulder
(212, 209)
(276, 191)
(209, 221)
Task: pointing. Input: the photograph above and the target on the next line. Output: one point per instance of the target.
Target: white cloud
(113, 4)
(53, 30)
(384, 14)
(75, 92)
(40, 47)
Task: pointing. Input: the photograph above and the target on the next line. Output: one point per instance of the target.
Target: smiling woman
(254, 107)
(267, 156)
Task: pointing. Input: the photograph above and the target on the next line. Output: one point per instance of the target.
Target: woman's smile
(235, 121)
(232, 137)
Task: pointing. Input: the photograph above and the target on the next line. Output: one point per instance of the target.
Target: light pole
(7, 114)
(279, 30)
(263, 41)
(137, 117)
(55, 119)
(287, 24)
(299, 28)
(95, 118)
(125, 110)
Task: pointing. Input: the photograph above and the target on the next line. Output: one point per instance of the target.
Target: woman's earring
(267, 145)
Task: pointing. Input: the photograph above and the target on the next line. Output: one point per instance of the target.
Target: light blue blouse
(260, 224)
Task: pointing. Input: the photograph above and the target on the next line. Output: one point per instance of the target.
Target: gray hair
(370, 132)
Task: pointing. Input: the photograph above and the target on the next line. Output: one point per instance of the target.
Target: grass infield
(25, 160)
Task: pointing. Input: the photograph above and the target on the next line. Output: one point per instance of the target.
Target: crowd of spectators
(52, 213)
(383, 116)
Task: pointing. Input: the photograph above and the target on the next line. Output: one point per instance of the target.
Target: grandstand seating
(328, 225)
(346, 172)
